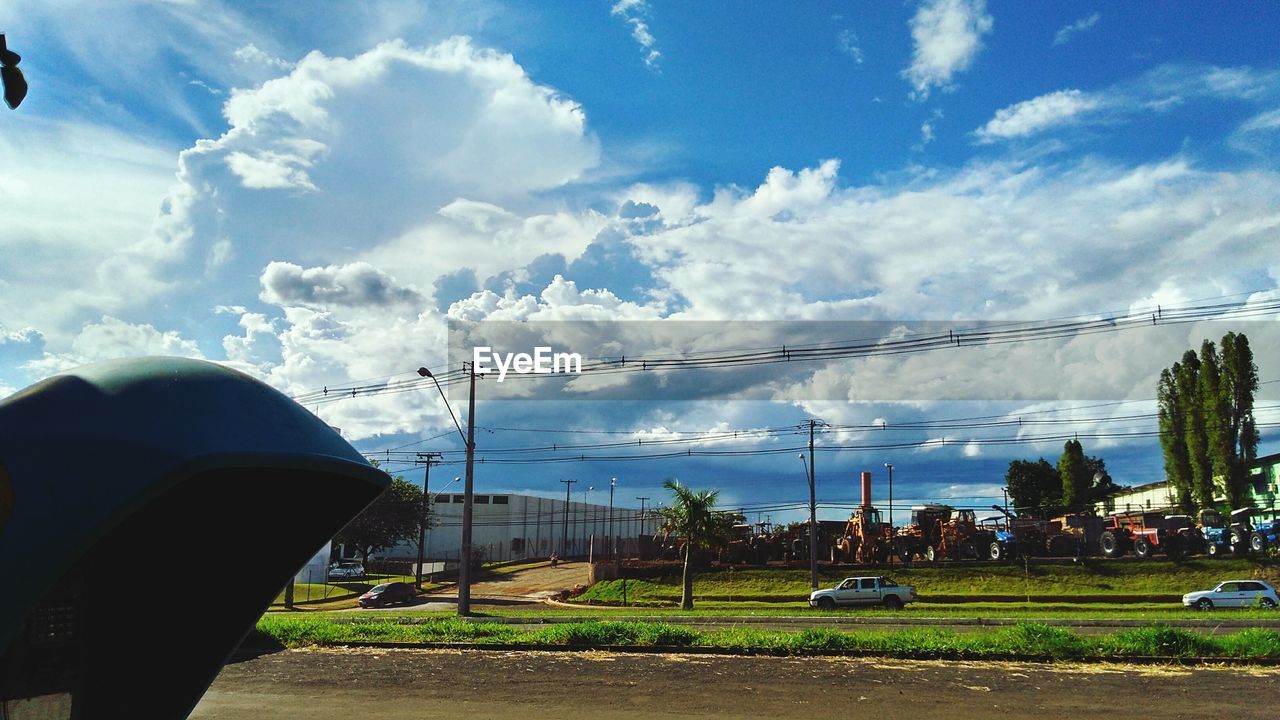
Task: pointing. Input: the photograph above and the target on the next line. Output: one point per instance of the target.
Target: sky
(311, 193)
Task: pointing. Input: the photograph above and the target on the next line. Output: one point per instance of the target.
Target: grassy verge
(1025, 639)
(1094, 579)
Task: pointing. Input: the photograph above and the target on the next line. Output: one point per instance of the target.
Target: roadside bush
(1255, 642)
(1039, 639)
(1159, 640)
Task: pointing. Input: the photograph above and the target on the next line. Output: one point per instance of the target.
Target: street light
(890, 467)
(468, 489)
(613, 483)
(813, 526)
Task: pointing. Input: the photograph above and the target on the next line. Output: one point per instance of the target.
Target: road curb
(819, 652)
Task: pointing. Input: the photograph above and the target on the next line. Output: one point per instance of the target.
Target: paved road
(425, 684)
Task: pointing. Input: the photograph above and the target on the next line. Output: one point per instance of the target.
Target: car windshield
(379, 588)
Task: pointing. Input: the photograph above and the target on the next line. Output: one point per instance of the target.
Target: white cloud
(252, 54)
(948, 36)
(633, 13)
(1069, 31)
(849, 45)
(113, 338)
(1032, 116)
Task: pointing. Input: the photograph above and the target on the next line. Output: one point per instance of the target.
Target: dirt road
(424, 684)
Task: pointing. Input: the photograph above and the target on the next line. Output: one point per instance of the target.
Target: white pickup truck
(874, 590)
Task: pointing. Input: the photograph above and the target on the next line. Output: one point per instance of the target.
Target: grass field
(1094, 580)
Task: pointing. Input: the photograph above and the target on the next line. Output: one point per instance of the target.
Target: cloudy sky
(309, 193)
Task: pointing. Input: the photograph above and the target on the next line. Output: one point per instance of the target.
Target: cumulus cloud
(947, 35)
(357, 284)
(113, 338)
(1032, 116)
(634, 12)
(1064, 35)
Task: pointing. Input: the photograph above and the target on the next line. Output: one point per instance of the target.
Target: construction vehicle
(1265, 535)
(1073, 535)
(866, 538)
(1146, 533)
(1020, 536)
(937, 532)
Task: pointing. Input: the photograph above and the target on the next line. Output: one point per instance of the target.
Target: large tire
(1214, 549)
(905, 555)
(997, 551)
(1142, 548)
(1111, 545)
(826, 603)
(893, 602)
(930, 553)
(1204, 604)
(1240, 541)
(1258, 543)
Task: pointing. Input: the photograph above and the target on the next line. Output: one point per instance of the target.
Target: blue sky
(309, 193)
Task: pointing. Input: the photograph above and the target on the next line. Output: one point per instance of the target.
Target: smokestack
(866, 489)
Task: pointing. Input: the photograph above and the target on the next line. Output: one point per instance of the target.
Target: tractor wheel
(996, 551)
(1204, 604)
(1214, 550)
(1110, 545)
(1142, 548)
(905, 554)
(826, 603)
(930, 553)
(1258, 543)
(892, 602)
(1240, 541)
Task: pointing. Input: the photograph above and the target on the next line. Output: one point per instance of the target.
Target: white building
(515, 527)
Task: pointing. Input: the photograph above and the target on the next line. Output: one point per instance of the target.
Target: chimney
(866, 489)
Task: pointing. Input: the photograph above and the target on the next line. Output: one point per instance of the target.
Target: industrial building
(514, 527)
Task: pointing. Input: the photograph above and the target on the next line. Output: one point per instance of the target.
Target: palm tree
(692, 516)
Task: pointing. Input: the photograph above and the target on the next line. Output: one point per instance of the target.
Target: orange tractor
(938, 532)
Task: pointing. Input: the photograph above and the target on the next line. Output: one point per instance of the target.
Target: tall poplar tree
(1173, 438)
(1234, 434)
(1076, 479)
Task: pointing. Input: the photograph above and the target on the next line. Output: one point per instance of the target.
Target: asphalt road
(426, 684)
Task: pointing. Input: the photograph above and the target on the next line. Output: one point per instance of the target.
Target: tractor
(1146, 534)
(1226, 537)
(934, 533)
(1073, 535)
(1016, 536)
(1265, 535)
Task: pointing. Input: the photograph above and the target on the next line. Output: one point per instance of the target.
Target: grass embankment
(1095, 581)
(1023, 640)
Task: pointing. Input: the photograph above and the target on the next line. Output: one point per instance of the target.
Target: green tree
(1034, 487)
(393, 517)
(692, 516)
(1075, 476)
(1173, 438)
(1233, 433)
(1189, 394)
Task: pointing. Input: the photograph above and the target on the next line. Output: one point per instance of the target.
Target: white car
(346, 569)
(874, 590)
(1233, 593)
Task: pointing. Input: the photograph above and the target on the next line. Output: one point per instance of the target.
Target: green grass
(1094, 578)
(1025, 639)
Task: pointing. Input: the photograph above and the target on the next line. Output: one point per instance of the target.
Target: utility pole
(468, 489)
(813, 515)
(564, 538)
(427, 458)
(891, 530)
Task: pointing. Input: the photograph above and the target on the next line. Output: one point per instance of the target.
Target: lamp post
(613, 483)
(890, 468)
(468, 488)
(813, 525)
(588, 527)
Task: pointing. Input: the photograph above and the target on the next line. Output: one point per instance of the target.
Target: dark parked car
(387, 593)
